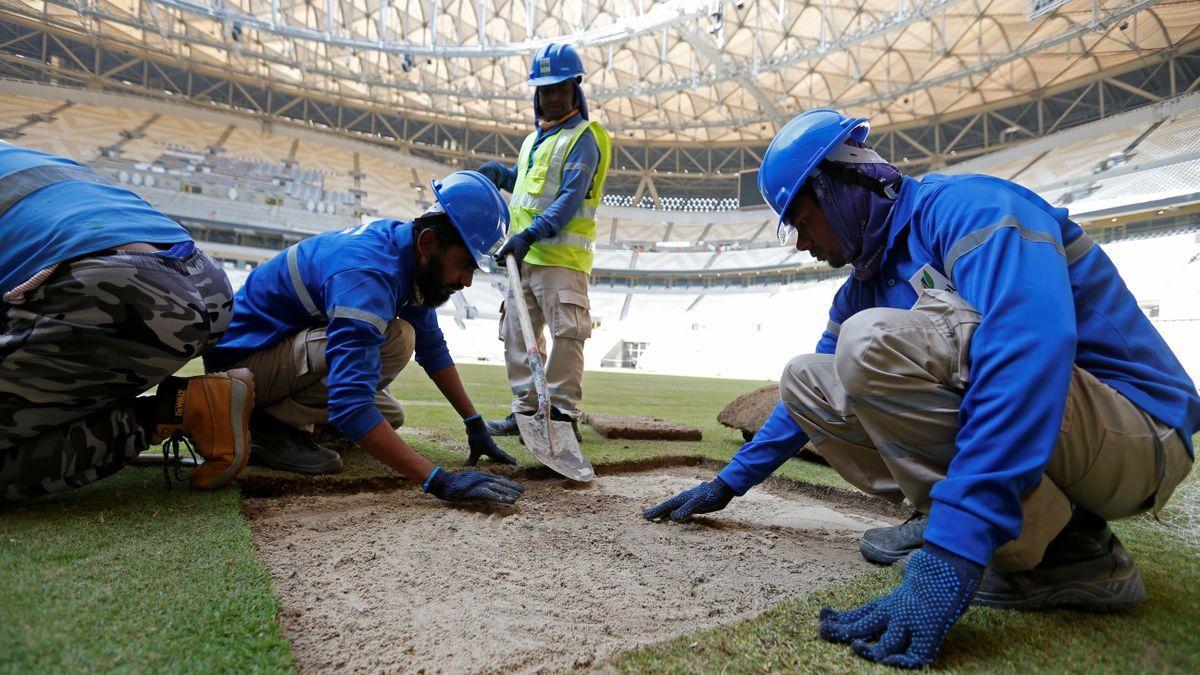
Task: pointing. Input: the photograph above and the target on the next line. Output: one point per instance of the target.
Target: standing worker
(556, 186)
(104, 298)
(328, 324)
(984, 361)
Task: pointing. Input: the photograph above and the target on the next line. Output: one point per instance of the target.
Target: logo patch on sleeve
(929, 278)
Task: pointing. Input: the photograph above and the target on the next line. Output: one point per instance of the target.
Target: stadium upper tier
(256, 190)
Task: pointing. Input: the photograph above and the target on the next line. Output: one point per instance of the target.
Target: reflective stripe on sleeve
(1079, 248)
(380, 323)
(298, 284)
(975, 239)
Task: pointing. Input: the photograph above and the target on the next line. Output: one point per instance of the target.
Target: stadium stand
(753, 333)
(706, 277)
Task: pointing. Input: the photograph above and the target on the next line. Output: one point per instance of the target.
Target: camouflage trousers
(73, 357)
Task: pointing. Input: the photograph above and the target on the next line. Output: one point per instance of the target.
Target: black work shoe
(504, 427)
(1085, 567)
(276, 445)
(557, 415)
(886, 545)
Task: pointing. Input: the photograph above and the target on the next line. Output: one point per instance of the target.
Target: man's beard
(431, 292)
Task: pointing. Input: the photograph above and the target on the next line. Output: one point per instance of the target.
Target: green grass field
(127, 575)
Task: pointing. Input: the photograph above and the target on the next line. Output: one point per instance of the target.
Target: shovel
(551, 443)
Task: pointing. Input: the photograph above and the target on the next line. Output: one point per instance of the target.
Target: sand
(397, 581)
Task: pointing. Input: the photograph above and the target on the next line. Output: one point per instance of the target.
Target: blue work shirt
(578, 171)
(1006, 252)
(69, 219)
(353, 282)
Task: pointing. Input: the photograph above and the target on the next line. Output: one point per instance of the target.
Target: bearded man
(331, 321)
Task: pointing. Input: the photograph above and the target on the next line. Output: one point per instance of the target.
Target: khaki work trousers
(883, 411)
(556, 296)
(290, 378)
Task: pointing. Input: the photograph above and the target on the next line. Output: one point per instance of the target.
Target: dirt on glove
(641, 428)
(398, 581)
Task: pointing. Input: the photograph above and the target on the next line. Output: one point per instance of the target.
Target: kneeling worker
(104, 298)
(329, 323)
(984, 360)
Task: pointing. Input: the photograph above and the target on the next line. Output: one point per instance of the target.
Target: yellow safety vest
(537, 188)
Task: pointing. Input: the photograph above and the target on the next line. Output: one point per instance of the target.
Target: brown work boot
(213, 411)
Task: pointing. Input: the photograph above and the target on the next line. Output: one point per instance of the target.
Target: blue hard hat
(477, 210)
(553, 64)
(798, 148)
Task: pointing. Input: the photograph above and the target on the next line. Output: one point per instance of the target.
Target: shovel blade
(556, 448)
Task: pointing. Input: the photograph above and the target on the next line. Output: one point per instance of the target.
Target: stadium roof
(678, 71)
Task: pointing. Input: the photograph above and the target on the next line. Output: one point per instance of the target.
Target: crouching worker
(985, 361)
(104, 298)
(328, 324)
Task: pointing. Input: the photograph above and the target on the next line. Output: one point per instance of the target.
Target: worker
(556, 186)
(328, 324)
(103, 299)
(985, 361)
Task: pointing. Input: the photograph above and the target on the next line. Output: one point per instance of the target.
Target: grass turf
(125, 575)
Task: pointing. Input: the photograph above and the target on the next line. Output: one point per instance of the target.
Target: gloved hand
(492, 171)
(908, 626)
(481, 443)
(518, 245)
(704, 498)
(465, 486)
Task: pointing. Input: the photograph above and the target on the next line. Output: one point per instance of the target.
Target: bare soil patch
(397, 581)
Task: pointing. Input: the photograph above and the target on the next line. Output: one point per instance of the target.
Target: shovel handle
(518, 295)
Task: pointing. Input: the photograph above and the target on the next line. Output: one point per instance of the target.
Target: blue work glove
(704, 498)
(481, 443)
(518, 245)
(907, 627)
(493, 171)
(466, 486)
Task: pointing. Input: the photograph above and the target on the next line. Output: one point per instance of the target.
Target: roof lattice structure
(677, 71)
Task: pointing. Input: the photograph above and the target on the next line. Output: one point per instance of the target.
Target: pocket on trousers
(1176, 465)
(500, 331)
(308, 350)
(956, 319)
(573, 315)
(1122, 479)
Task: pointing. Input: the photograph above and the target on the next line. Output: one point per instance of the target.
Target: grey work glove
(467, 486)
(704, 498)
